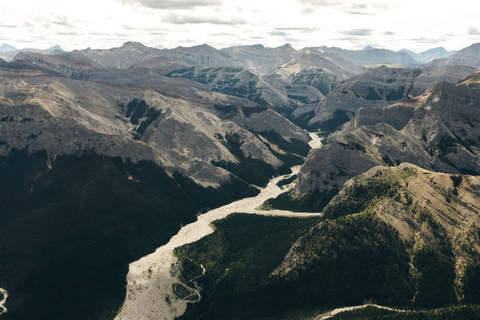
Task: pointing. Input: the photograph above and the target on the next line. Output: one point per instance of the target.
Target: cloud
(353, 7)
(70, 33)
(310, 6)
(176, 19)
(278, 33)
(354, 39)
(359, 6)
(174, 4)
(319, 3)
(62, 21)
(358, 32)
(424, 40)
(389, 33)
(305, 30)
(359, 13)
(473, 32)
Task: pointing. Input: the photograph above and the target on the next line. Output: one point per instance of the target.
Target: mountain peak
(133, 45)
(286, 47)
(55, 48)
(6, 48)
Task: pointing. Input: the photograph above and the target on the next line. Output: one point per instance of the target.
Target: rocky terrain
(436, 131)
(430, 54)
(411, 225)
(241, 82)
(384, 238)
(106, 154)
(369, 56)
(142, 157)
(8, 52)
(374, 87)
(382, 86)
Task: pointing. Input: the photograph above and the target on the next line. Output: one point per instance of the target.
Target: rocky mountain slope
(7, 48)
(399, 236)
(10, 54)
(245, 83)
(371, 56)
(430, 54)
(95, 175)
(202, 55)
(437, 131)
(377, 87)
(466, 57)
(257, 58)
(73, 64)
(321, 71)
(415, 242)
(105, 154)
(373, 87)
(261, 59)
(128, 54)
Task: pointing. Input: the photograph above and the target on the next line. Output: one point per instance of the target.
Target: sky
(77, 24)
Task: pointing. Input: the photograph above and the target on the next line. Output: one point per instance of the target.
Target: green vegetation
(314, 202)
(353, 256)
(362, 195)
(239, 258)
(347, 261)
(68, 233)
(286, 181)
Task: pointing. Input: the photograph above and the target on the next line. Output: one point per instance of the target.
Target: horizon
(346, 24)
(220, 48)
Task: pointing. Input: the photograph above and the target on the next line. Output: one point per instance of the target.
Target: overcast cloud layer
(75, 24)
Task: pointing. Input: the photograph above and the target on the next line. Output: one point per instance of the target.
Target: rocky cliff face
(396, 115)
(376, 87)
(438, 132)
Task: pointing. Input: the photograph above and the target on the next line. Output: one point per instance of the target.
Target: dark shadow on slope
(68, 233)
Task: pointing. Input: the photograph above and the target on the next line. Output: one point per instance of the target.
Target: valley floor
(3, 309)
(151, 281)
(335, 312)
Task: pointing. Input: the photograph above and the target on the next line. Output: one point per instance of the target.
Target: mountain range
(430, 54)
(106, 154)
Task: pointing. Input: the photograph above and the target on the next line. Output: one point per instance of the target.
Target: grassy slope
(239, 257)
